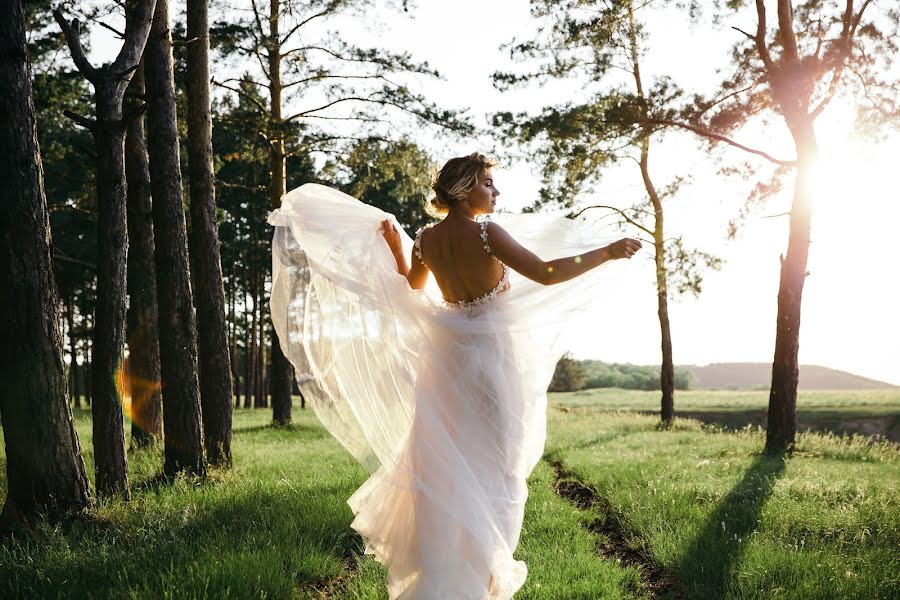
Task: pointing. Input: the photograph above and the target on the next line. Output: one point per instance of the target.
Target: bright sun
(855, 199)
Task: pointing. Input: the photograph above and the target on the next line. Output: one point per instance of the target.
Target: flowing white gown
(445, 405)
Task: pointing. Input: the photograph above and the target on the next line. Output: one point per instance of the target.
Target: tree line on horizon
(157, 200)
(572, 375)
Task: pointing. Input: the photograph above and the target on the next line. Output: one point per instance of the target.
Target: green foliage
(394, 176)
(598, 374)
(840, 54)
(577, 141)
(569, 375)
(685, 268)
(328, 79)
(241, 161)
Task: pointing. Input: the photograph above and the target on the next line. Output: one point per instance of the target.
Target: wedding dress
(443, 403)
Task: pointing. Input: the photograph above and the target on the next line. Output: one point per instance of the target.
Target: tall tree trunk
(781, 427)
(182, 424)
(667, 368)
(44, 468)
(109, 323)
(206, 265)
(112, 238)
(73, 358)
(793, 100)
(250, 366)
(261, 389)
(77, 386)
(87, 370)
(232, 348)
(282, 372)
(142, 319)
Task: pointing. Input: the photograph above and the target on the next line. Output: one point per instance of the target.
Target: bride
(438, 387)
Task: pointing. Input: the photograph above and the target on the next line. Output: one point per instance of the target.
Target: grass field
(619, 508)
(865, 412)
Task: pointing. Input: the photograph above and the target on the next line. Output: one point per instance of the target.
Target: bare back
(454, 251)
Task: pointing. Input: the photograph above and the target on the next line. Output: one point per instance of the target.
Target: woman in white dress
(437, 387)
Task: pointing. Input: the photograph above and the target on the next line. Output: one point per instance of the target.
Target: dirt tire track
(328, 588)
(657, 581)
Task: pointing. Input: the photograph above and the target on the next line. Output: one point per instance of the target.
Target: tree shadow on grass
(707, 564)
(309, 431)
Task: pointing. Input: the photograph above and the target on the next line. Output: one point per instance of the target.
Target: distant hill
(725, 376)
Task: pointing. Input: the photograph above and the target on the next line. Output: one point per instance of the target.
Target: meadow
(618, 508)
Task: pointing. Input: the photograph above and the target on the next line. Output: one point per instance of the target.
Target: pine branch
(330, 104)
(621, 214)
(850, 25)
(254, 100)
(721, 138)
(296, 27)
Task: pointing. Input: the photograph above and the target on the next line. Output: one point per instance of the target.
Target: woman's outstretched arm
(526, 262)
(417, 275)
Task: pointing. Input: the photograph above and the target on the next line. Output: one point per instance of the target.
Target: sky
(850, 319)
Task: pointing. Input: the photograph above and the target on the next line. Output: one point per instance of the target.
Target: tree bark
(142, 318)
(793, 101)
(282, 371)
(250, 365)
(667, 369)
(109, 323)
(261, 388)
(87, 370)
(108, 343)
(206, 265)
(182, 424)
(44, 467)
(73, 361)
(232, 347)
(781, 426)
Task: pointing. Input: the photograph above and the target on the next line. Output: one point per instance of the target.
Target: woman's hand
(624, 248)
(391, 236)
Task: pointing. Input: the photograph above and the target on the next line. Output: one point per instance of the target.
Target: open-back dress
(443, 403)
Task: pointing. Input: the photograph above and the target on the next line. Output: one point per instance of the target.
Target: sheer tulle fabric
(445, 407)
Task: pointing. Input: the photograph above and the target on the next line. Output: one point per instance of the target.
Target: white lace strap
(484, 234)
(417, 244)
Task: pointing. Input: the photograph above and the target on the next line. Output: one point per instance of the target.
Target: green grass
(699, 502)
(730, 522)
(276, 520)
(275, 526)
(867, 412)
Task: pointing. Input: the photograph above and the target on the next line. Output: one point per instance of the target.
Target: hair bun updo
(456, 179)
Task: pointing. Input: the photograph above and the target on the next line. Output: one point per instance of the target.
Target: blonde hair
(455, 180)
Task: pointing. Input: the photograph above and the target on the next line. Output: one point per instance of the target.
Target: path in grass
(708, 508)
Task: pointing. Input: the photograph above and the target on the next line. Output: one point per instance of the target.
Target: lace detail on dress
(417, 243)
(484, 234)
(501, 287)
